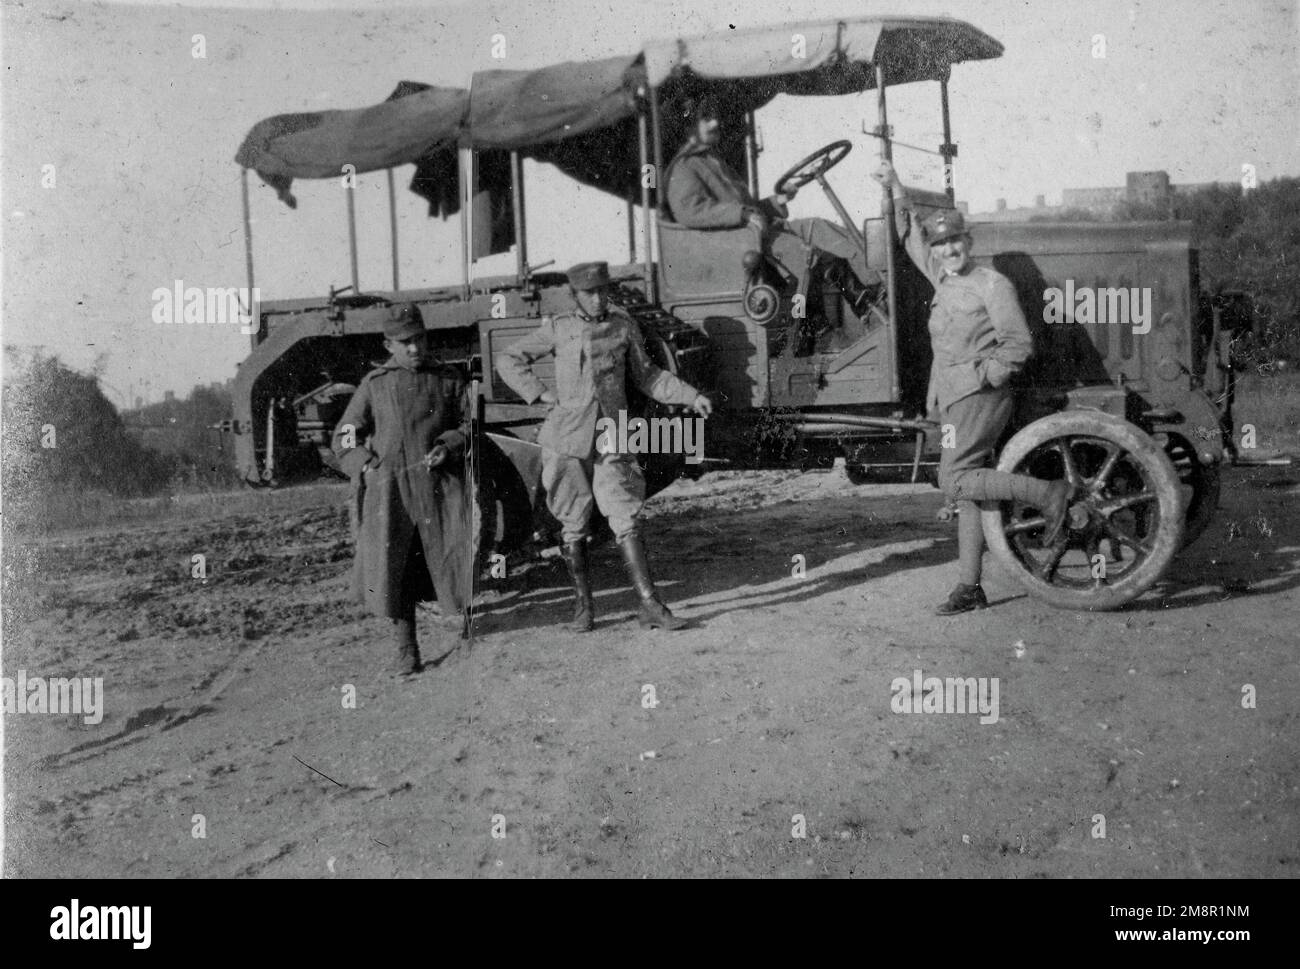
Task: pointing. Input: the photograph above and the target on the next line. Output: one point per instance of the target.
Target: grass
(1269, 401)
(29, 515)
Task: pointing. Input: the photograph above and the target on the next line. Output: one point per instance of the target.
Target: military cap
(589, 275)
(705, 106)
(944, 225)
(403, 321)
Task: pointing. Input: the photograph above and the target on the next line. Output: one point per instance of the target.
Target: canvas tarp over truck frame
(581, 117)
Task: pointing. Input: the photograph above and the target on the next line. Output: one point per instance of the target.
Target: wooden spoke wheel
(1125, 520)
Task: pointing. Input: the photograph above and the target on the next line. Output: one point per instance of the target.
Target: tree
(1258, 252)
(184, 431)
(1248, 241)
(62, 434)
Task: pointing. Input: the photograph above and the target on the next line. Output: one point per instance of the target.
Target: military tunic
(593, 360)
(977, 329)
(980, 340)
(395, 418)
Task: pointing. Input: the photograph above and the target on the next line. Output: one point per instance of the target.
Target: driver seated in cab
(704, 192)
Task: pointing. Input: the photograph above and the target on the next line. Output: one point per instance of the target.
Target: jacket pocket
(959, 380)
(568, 366)
(994, 372)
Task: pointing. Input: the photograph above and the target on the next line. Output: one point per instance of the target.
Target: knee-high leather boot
(584, 607)
(408, 650)
(653, 612)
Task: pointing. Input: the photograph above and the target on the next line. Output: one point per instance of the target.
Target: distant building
(1002, 213)
(1094, 199)
(1192, 187)
(1147, 188)
(1140, 188)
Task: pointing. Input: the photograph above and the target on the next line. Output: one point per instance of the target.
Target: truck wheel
(1125, 521)
(1201, 487)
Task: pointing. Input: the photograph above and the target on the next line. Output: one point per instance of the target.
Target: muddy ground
(225, 698)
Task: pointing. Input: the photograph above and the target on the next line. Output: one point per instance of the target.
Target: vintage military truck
(1139, 422)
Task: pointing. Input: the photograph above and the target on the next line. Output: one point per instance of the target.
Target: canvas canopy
(582, 116)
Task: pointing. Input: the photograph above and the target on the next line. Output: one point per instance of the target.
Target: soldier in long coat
(402, 441)
(597, 349)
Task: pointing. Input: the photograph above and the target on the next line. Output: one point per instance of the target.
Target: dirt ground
(226, 698)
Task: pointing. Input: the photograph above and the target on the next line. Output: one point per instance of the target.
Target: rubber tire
(1205, 500)
(1207, 504)
(1140, 446)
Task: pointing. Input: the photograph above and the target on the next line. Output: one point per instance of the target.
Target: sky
(142, 135)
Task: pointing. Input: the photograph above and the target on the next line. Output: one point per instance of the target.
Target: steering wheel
(814, 166)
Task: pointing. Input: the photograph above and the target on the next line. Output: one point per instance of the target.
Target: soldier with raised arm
(597, 348)
(980, 340)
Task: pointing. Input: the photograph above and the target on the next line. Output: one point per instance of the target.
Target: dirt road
(634, 753)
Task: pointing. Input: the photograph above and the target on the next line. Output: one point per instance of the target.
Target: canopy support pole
(948, 150)
(248, 246)
(891, 274)
(657, 135)
(631, 228)
(352, 231)
(652, 217)
(751, 153)
(517, 203)
(392, 225)
(643, 144)
(466, 175)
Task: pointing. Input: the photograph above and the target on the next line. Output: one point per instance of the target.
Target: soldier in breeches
(402, 441)
(596, 348)
(980, 340)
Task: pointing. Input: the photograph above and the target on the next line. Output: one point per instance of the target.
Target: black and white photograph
(559, 439)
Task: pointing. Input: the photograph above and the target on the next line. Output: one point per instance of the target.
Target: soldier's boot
(964, 598)
(653, 612)
(1052, 498)
(584, 607)
(408, 650)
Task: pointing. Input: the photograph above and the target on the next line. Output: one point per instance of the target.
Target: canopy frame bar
(248, 248)
(465, 167)
(948, 150)
(630, 204)
(392, 226)
(657, 135)
(751, 153)
(891, 274)
(349, 181)
(521, 222)
(647, 211)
